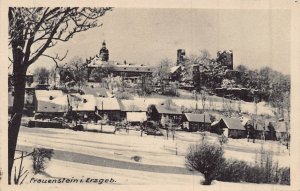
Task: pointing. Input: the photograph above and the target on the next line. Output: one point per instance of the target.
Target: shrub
(233, 171)
(240, 171)
(136, 158)
(284, 175)
(39, 157)
(222, 139)
(205, 158)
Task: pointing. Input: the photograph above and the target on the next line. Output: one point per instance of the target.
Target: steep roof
(55, 105)
(233, 123)
(132, 105)
(163, 110)
(82, 102)
(196, 117)
(108, 103)
(46, 94)
(174, 69)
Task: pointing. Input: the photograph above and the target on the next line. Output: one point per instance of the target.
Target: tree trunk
(207, 180)
(14, 125)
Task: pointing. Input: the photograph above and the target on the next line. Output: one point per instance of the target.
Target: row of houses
(97, 104)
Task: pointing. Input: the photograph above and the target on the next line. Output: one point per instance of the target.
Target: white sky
(257, 37)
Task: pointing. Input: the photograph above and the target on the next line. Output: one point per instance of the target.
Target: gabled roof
(233, 123)
(108, 103)
(132, 68)
(245, 121)
(95, 91)
(48, 94)
(82, 102)
(116, 66)
(196, 117)
(97, 62)
(163, 110)
(132, 105)
(174, 69)
(55, 105)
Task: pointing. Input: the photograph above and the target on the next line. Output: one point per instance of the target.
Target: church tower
(104, 53)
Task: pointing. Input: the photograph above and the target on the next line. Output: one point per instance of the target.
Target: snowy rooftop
(174, 69)
(233, 123)
(108, 103)
(96, 91)
(132, 105)
(196, 117)
(82, 102)
(57, 104)
(46, 94)
(164, 110)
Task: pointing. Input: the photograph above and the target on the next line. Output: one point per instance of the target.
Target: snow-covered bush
(263, 172)
(205, 158)
(39, 156)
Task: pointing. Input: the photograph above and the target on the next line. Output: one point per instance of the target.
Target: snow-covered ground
(158, 181)
(86, 154)
(213, 102)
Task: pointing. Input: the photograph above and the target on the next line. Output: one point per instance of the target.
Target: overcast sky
(257, 37)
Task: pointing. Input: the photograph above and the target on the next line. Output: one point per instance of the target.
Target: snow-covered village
(191, 115)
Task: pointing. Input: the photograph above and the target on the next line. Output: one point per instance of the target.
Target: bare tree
(76, 71)
(31, 32)
(42, 75)
(161, 74)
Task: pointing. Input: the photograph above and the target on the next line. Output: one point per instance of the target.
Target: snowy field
(95, 155)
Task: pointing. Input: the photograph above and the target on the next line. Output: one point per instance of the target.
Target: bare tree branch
(56, 58)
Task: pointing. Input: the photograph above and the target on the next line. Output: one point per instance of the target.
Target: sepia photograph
(124, 96)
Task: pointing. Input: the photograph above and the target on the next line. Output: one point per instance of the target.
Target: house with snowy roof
(133, 111)
(109, 107)
(196, 122)
(161, 112)
(230, 127)
(51, 102)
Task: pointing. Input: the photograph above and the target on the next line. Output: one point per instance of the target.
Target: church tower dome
(104, 53)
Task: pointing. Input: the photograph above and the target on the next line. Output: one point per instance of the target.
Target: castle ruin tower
(180, 57)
